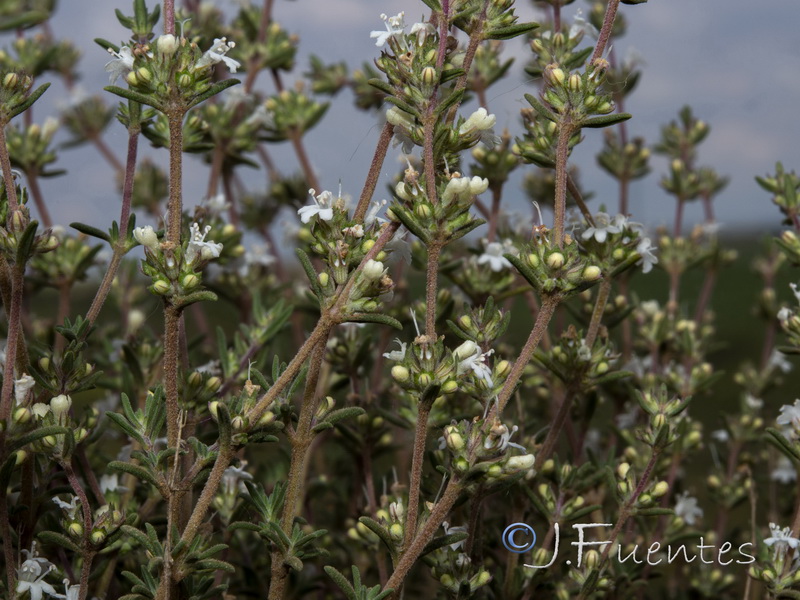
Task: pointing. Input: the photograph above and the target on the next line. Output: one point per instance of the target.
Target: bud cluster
(624, 162)
(29, 147)
(664, 412)
(290, 113)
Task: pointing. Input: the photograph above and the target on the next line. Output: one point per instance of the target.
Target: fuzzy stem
(103, 148)
(301, 441)
(175, 207)
(8, 546)
(169, 16)
(38, 199)
(623, 517)
(494, 216)
(14, 332)
(562, 156)
(417, 463)
(434, 250)
(597, 315)
(88, 554)
(425, 535)
(539, 329)
(374, 172)
(297, 142)
(8, 176)
(605, 31)
(171, 355)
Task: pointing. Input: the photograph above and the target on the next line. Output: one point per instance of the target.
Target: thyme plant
(219, 416)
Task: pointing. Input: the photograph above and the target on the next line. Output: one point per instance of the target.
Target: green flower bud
(400, 373)
(396, 531)
(190, 281)
(323, 279)
(592, 273)
(75, 529)
(161, 287)
(555, 260)
(97, 537)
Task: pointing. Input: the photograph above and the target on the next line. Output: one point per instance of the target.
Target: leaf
(605, 120)
(375, 318)
(58, 539)
(35, 95)
(125, 425)
(311, 273)
(339, 415)
(135, 470)
(507, 33)
(779, 441)
(654, 512)
(540, 108)
(215, 89)
(135, 96)
(381, 532)
(91, 231)
(36, 434)
(444, 540)
(342, 582)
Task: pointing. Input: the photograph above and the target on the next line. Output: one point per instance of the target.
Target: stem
(8, 547)
(549, 444)
(88, 554)
(434, 249)
(171, 339)
(305, 164)
(175, 207)
(38, 199)
(434, 521)
(562, 156)
(576, 195)
(62, 313)
(301, 440)
(597, 314)
(417, 462)
(497, 194)
(626, 512)
(8, 176)
(169, 16)
(14, 332)
(374, 171)
(103, 148)
(605, 31)
(429, 123)
(539, 329)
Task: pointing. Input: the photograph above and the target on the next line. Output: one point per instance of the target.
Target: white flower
(645, 250)
(356, 231)
(521, 463)
(257, 254)
(216, 205)
(73, 592)
(603, 225)
(121, 64)
(394, 26)
(493, 255)
(781, 538)
(449, 530)
(167, 44)
(110, 483)
(686, 508)
(216, 54)
(481, 123)
(71, 507)
(233, 479)
(784, 471)
(40, 409)
(627, 419)
(422, 31)
(753, 402)
(60, 406)
(470, 357)
(580, 26)
(323, 206)
(396, 354)
(795, 291)
(198, 247)
(31, 574)
(790, 415)
(21, 388)
(372, 214)
(500, 439)
(779, 361)
(147, 237)
(373, 270)
(721, 435)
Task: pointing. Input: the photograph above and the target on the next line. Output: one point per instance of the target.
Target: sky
(733, 61)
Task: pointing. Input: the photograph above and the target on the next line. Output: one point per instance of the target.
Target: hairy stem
(8, 176)
(431, 287)
(562, 156)
(88, 554)
(175, 206)
(374, 172)
(597, 315)
(169, 16)
(417, 462)
(38, 199)
(605, 31)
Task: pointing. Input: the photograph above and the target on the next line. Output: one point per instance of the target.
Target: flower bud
(396, 531)
(22, 415)
(161, 287)
(75, 529)
(98, 536)
(622, 470)
(400, 373)
(10, 80)
(450, 387)
(373, 270)
(167, 44)
(661, 488)
(520, 463)
(575, 82)
(190, 281)
(555, 260)
(554, 75)
(592, 273)
(428, 76)
(60, 405)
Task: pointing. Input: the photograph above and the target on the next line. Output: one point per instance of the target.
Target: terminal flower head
(322, 207)
(781, 539)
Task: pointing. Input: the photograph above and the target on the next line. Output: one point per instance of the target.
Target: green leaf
(777, 439)
(135, 96)
(91, 231)
(36, 434)
(381, 532)
(35, 95)
(339, 415)
(654, 512)
(540, 108)
(58, 539)
(311, 273)
(512, 31)
(444, 540)
(342, 582)
(605, 120)
(25, 247)
(374, 318)
(126, 426)
(215, 89)
(135, 470)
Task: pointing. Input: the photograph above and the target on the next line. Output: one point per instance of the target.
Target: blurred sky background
(734, 61)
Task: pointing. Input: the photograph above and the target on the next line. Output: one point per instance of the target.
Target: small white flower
(645, 250)
(784, 471)
(256, 255)
(373, 270)
(110, 483)
(216, 54)
(493, 255)
(521, 463)
(372, 214)
(470, 357)
(790, 415)
(31, 574)
(603, 225)
(784, 314)
(627, 419)
(778, 360)
(481, 123)
(198, 247)
(396, 354)
(121, 65)
(356, 231)
(233, 479)
(781, 539)
(167, 44)
(73, 592)
(753, 402)
(323, 207)
(394, 26)
(216, 205)
(500, 439)
(449, 530)
(60, 406)
(721, 435)
(686, 508)
(21, 388)
(40, 409)
(71, 507)
(147, 237)
(422, 31)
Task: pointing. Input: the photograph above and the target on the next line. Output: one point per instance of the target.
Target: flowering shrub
(356, 418)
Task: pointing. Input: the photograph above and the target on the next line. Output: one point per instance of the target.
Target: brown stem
(14, 332)
(169, 16)
(599, 309)
(539, 329)
(175, 207)
(432, 524)
(494, 216)
(103, 148)
(88, 554)
(605, 31)
(434, 249)
(62, 312)
(562, 156)
(305, 164)
(576, 195)
(8, 176)
(374, 172)
(429, 122)
(417, 462)
(8, 547)
(38, 199)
